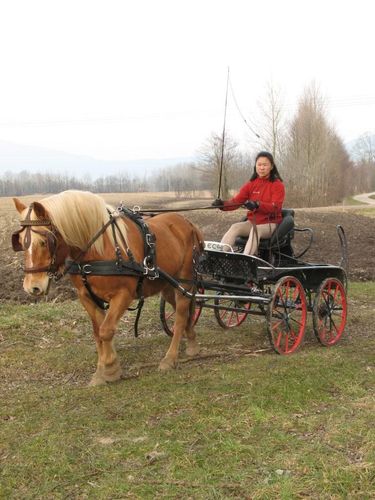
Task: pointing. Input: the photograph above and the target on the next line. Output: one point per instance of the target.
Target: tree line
(311, 158)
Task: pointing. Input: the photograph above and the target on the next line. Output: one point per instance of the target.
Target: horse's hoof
(113, 376)
(102, 377)
(97, 380)
(192, 350)
(166, 364)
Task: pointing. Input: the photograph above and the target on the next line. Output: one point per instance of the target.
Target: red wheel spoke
(228, 318)
(297, 322)
(286, 343)
(167, 315)
(329, 312)
(276, 325)
(287, 315)
(287, 290)
(278, 339)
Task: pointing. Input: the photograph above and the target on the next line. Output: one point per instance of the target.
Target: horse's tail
(198, 246)
(198, 240)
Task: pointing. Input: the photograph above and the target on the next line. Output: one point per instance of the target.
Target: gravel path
(365, 198)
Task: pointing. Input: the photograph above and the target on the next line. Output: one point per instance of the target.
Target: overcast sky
(119, 79)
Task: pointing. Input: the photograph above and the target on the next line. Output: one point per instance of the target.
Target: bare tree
(315, 158)
(217, 160)
(364, 149)
(363, 153)
(271, 122)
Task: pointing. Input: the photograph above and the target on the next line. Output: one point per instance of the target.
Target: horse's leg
(97, 317)
(168, 295)
(181, 318)
(192, 348)
(109, 368)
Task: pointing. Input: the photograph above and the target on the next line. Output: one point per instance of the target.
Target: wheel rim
(330, 311)
(167, 315)
(287, 314)
(230, 319)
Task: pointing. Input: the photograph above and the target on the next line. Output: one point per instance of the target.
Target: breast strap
(105, 268)
(119, 266)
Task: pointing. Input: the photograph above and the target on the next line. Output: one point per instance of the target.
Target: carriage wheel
(167, 315)
(329, 311)
(230, 319)
(286, 316)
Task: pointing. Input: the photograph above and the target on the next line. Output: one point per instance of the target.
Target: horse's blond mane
(78, 216)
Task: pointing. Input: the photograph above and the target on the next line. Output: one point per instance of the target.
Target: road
(365, 198)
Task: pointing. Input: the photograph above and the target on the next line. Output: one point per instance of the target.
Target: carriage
(275, 284)
(116, 256)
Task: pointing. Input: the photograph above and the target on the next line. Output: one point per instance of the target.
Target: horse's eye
(43, 243)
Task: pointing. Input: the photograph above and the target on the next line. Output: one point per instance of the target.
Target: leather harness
(119, 266)
(116, 267)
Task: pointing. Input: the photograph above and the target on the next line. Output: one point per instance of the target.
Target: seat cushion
(283, 232)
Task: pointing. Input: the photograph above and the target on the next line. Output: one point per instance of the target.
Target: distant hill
(16, 158)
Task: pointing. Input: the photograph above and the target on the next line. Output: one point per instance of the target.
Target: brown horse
(78, 225)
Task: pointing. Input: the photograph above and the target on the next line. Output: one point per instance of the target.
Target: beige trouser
(247, 229)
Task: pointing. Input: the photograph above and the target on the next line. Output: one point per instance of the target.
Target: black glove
(251, 205)
(218, 203)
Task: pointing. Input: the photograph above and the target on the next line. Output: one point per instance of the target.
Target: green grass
(239, 425)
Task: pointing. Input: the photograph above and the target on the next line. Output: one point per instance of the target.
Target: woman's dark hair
(274, 174)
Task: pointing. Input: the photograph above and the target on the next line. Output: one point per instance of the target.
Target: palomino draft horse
(105, 253)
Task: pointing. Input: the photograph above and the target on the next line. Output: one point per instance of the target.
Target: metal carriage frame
(237, 286)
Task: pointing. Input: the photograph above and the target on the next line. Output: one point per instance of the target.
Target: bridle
(51, 238)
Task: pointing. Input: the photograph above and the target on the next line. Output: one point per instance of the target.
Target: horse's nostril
(36, 290)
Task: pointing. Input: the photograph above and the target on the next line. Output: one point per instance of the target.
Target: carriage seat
(281, 236)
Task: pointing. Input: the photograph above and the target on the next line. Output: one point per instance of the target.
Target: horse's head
(45, 250)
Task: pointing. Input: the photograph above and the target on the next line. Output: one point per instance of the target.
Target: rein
(137, 210)
(68, 267)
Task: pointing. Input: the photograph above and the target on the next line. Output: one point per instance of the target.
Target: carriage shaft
(243, 298)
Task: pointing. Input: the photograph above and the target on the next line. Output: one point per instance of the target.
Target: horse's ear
(39, 210)
(19, 205)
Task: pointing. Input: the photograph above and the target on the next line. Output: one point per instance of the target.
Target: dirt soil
(359, 226)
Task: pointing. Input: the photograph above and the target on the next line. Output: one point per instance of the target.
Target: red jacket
(269, 195)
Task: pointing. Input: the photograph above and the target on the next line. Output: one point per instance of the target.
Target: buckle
(146, 267)
(152, 273)
(85, 268)
(150, 239)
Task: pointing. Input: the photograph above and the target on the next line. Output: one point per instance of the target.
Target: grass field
(240, 422)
